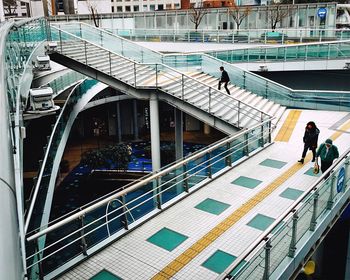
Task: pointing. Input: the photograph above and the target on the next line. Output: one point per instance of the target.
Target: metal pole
(155, 139)
(228, 159)
(82, 234)
(267, 260)
(210, 175)
(178, 134)
(293, 242)
(314, 212)
(246, 143)
(331, 192)
(125, 214)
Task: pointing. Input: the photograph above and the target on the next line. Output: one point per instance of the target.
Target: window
(127, 8)
(152, 7)
(160, 7)
(145, 9)
(119, 9)
(136, 8)
(112, 9)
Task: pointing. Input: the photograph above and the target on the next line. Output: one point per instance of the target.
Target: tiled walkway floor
(180, 244)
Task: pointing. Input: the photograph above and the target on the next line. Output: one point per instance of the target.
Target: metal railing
(308, 99)
(42, 181)
(244, 36)
(280, 239)
(163, 74)
(112, 215)
(63, 82)
(19, 40)
(303, 52)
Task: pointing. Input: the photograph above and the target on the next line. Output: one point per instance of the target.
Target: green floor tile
(273, 163)
(219, 261)
(105, 275)
(212, 206)
(246, 182)
(291, 193)
(310, 172)
(261, 222)
(167, 239)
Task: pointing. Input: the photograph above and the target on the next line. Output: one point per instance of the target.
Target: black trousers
(225, 86)
(325, 165)
(313, 149)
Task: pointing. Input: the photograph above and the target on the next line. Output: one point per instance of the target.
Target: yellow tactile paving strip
(287, 128)
(182, 260)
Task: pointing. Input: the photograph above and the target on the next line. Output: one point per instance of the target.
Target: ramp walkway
(204, 234)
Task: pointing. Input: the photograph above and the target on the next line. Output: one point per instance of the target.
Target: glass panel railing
(111, 215)
(325, 197)
(112, 42)
(63, 82)
(320, 100)
(261, 36)
(313, 51)
(43, 181)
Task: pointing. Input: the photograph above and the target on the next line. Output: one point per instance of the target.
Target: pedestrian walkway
(200, 236)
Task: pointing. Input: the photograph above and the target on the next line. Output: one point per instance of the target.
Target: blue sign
(322, 13)
(341, 179)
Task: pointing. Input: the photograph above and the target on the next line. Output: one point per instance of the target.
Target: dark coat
(311, 137)
(224, 77)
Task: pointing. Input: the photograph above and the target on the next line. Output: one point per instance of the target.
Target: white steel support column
(136, 128)
(119, 123)
(179, 137)
(155, 137)
(2, 14)
(19, 8)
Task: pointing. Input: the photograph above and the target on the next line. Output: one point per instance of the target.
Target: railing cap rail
(149, 179)
(294, 207)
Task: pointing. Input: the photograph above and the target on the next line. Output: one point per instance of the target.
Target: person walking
(310, 140)
(224, 79)
(328, 153)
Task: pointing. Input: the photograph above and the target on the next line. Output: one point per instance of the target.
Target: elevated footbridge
(221, 221)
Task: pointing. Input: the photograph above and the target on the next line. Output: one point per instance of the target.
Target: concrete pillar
(178, 134)
(19, 8)
(155, 133)
(2, 13)
(135, 124)
(207, 129)
(119, 123)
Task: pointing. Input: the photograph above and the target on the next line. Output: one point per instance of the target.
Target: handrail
(282, 46)
(291, 91)
(290, 210)
(43, 165)
(149, 179)
(163, 65)
(271, 81)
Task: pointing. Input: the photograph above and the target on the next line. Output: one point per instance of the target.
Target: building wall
(102, 6)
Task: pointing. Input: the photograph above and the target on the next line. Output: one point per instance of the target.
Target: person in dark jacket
(327, 152)
(224, 79)
(310, 140)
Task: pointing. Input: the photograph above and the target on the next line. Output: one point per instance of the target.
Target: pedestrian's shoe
(301, 161)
